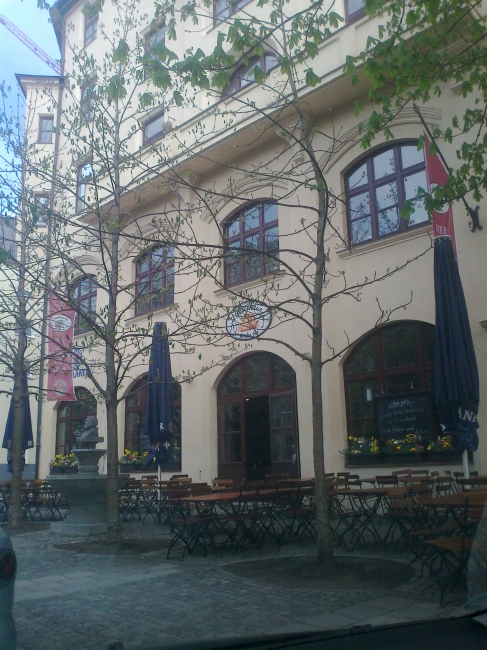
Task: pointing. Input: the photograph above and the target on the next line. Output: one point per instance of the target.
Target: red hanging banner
(438, 175)
(60, 338)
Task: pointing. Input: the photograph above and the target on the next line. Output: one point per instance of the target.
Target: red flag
(438, 175)
(60, 338)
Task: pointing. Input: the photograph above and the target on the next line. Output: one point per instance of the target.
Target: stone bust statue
(90, 429)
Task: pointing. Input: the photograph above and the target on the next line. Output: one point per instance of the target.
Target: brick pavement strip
(78, 601)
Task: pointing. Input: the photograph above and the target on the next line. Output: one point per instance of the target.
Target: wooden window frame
(398, 176)
(146, 277)
(37, 197)
(73, 417)
(232, 9)
(78, 297)
(91, 29)
(352, 17)
(240, 238)
(160, 134)
(381, 373)
(48, 118)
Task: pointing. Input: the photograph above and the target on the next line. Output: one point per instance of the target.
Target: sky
(14, 55)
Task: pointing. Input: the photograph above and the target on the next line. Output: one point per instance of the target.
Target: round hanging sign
(249, 320)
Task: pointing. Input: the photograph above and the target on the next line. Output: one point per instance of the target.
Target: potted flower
(132, 461)
(63, 464)
(400, 451)
(362, 451)
(441, 450)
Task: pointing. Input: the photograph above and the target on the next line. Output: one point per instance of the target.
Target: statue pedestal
(87, 498)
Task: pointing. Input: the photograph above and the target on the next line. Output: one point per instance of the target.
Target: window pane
(270, 62)
(222, 10)
(143, 265)
(234, 273)
(388, 221)
(270, 212)
(364, 359)
(420, 214)
(231, 417)
(386, 196)
(399, 345)
(353, 6)
(407, 383)
(384, 164)
(284, 375)
(282, 411)
(133, 427)
(361, 230)
(232, 382)
(232, 229)
(252, 217)
(361, 394)
(359, 205)
(271, 239)
(155, 37)
(154, 128)
(411, 156)
(45, 134)
(358, 178)
(257, 372)
(284, 447)
(61, 433)
(230, 448)
(252, 261)
(134, 398)
(413, 182)
(365, 428)
(63, 411)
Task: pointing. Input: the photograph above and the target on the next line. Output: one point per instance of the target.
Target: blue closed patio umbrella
(456, 374)
(158, 426)
(27, 437)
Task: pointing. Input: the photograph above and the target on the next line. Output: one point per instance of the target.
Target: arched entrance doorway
(257, 419)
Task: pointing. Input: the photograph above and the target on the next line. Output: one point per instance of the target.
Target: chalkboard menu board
(398, 415)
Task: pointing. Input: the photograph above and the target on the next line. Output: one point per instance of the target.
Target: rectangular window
(84, 179)
(152, 39)
(354, 9)
(87, 101)
(41, 206)
(223, 9)
(91, 28)
(154, 128)
(46, 123)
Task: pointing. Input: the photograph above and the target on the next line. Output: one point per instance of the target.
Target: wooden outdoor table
(364, 492)
(211, 498)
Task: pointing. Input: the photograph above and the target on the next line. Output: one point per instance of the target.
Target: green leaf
(120, 54)
(311, 78)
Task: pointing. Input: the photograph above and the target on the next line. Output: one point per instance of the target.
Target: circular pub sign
(249, 320)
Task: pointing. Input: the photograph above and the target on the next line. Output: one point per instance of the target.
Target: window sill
(250, 284)
(391, 240)
(157, 312)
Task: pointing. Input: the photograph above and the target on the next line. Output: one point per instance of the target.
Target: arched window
(70, 419)
(134, 422)
(83, 297)
(255, 228)
(244, 75)
(154, 284)
(378, 186)
(398, 358)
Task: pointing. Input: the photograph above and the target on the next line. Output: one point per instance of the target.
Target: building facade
(244, 408)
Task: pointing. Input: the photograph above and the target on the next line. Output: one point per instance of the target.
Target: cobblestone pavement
(81, 601)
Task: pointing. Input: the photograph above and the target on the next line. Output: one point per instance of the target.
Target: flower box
(126, 468)
(410, 458)
(63, 470)
(362, 460)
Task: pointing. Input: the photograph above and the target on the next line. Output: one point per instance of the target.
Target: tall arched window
(70, 419)
(398, 358)
(255, 228)
(83, 296)
(134, 422)
(154, 283)
(378, 186)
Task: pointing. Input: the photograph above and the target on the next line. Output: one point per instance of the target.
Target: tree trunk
(15, 496)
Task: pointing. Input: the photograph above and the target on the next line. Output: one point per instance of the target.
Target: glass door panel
(284, 438)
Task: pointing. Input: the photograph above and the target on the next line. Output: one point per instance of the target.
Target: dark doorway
(258, 438)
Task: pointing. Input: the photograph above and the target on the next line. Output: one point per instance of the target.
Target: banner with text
(438, 175)
(60, 364)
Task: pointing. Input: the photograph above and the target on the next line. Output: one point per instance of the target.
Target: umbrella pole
(159, 477)
(466, 471)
